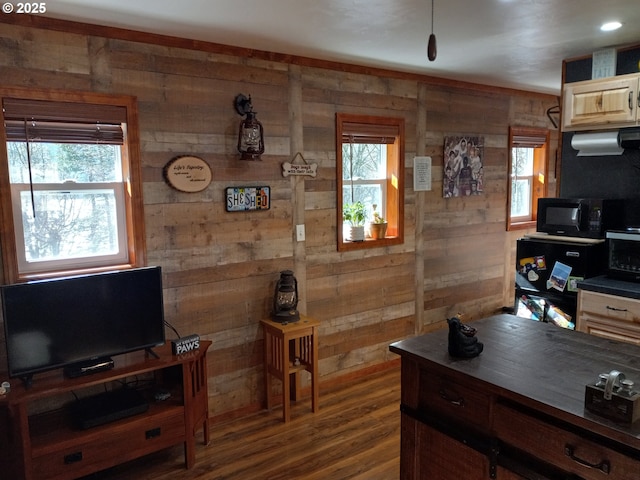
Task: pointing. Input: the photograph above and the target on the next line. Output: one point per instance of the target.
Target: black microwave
(579, 217)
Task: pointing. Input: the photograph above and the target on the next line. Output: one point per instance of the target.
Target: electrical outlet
(300, 233)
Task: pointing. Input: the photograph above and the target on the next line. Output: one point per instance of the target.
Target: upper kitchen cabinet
(609, 103)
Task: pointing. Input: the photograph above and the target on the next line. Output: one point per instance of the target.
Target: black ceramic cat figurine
(462, 340)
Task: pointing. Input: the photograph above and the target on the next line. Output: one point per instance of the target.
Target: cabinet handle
(616, 309)
(153, 433)
(630, 99)
(458, 402)
(604, 466)
(72, 458)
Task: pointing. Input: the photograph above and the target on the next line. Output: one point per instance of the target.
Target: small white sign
(603, 63)
(306, 169)
(422, 174)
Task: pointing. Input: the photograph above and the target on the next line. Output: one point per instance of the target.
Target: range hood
(606, 143)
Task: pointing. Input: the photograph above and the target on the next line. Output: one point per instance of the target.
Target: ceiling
(509, 43)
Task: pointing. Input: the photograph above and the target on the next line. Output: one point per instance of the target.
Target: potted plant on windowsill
(378, 225)
(354, 214)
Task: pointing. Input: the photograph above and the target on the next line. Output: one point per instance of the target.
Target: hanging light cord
(432, 1)
(431, 46)
(26, 134)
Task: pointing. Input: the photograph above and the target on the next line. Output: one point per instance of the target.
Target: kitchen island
(517, 410)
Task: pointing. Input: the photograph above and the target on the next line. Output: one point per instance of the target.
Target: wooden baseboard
(326, 385)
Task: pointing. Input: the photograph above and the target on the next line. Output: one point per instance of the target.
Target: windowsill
(347, 245)
(521, 225)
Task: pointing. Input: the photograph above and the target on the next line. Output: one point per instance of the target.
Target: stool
(290, 348)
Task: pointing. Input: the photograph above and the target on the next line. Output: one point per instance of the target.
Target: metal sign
(242, 199)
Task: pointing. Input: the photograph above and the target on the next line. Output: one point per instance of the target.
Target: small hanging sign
(187, 174)
(242, 199)
(291, 168)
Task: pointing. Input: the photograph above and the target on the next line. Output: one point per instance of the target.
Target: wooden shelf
(48, 446)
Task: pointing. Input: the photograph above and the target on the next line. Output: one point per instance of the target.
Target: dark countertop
(539, 364)
(611, 286)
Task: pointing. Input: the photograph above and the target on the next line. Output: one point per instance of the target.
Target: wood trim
(135, 211)
(7, 231)
(326, 385)
(395, 193)
(541, 162)
(35, 21)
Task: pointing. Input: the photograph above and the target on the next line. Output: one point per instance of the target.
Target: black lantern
(285, 300)
(251, 134)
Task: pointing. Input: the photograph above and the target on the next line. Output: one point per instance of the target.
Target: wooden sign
(291, 168)
(242, 199)
(187, 174)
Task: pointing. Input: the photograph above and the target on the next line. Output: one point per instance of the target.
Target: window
(71, 187)
(528, 172)
(370, 175)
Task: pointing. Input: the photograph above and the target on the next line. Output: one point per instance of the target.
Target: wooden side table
(288, 349)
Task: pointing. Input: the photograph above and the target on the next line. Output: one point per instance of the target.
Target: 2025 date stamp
(33, 8)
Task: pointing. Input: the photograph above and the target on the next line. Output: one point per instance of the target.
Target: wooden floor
(355, 435)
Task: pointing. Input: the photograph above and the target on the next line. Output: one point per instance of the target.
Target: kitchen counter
(611, 286)
(494, 409)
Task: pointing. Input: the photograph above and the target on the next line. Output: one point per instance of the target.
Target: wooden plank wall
(220, 268)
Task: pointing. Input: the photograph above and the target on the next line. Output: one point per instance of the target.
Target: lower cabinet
(46, 444)
(609, 316)
(515, 412)
(428, 453)
(570, 450)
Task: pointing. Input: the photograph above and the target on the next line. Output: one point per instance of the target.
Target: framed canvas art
(463, 172)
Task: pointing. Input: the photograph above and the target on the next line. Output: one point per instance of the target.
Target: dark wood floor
(355, 435)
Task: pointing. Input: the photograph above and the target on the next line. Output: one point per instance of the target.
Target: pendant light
(431, 47)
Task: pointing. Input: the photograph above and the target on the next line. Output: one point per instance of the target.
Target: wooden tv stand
(46, 445)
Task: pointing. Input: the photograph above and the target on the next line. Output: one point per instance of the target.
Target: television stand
(48, 445)
(86, 368)
(151, 352)
(27, 381)
(107, 407)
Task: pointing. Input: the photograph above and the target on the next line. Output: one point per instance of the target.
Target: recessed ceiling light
(610, 26)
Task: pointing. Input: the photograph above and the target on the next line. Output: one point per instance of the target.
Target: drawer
(610, 306)
(451, 398)
(612, 329)
(128, 440)
(564, 449)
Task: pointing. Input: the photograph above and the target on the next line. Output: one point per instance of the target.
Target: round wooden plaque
(188, 174)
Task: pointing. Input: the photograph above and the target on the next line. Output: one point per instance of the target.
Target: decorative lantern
(251, 133)
(285, 300)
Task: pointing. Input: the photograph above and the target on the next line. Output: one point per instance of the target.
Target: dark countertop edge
(611, 286)
(421, 350)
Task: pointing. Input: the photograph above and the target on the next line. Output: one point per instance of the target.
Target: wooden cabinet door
(504, 474)
(608, 102)
(609, 316)
(444, 458)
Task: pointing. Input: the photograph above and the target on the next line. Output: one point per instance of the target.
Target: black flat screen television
(78, 320)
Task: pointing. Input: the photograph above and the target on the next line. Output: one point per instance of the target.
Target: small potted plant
(354, 214)
(378, 225)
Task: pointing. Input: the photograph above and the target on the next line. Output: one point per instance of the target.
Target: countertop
(611, 286)
(539, 364)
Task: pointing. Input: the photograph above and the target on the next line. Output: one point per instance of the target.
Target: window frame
(394, 204)
(132, 182)
(529, 137)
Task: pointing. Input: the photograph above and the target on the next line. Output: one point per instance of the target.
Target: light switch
(300, 233)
